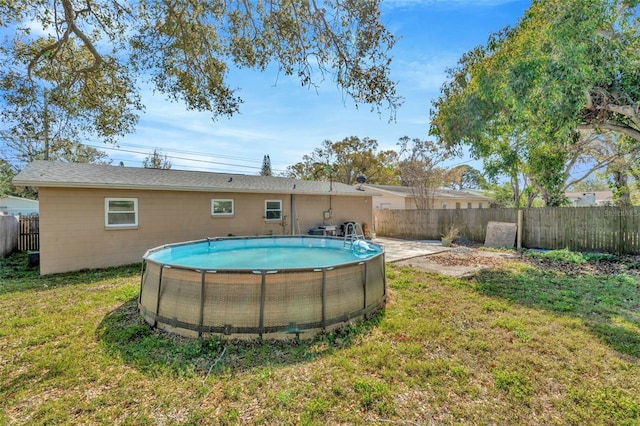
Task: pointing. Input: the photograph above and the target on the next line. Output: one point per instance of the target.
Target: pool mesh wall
(260, 303)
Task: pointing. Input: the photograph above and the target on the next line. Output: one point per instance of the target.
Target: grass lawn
(517, 345)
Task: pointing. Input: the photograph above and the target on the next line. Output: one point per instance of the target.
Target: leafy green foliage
(157, 160)
(520, 101)
(345, 160)
(78, 75)
(465, 177)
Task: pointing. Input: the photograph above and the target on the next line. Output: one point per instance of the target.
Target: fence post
(520, 229)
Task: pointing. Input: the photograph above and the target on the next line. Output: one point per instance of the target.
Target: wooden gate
(29, 237)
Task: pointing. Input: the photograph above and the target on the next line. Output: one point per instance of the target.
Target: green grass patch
(522, 345)
(561, 256)
(608, 305)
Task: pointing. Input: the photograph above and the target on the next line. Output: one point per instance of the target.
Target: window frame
(108, 212)
(267, 210)
(233, 207)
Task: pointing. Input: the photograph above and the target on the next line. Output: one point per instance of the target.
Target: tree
(345, 160)
(157, 160)
(464, 177)
(568, 65)
(595, 183)
(421, 170)
(266, 166)
(7, 173)
(80, 72)
(28, 150)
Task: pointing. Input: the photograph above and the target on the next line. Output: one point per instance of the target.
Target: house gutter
(40, 184)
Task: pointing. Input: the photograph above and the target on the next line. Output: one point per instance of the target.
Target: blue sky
(281, 118)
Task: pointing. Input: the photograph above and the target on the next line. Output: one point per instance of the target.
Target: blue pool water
(264, 253)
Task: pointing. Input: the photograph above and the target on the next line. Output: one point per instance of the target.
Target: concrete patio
(397, 250)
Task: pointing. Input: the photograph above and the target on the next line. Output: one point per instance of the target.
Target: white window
(385, 206)
(222, 208)
(120, 212)
(273, 209)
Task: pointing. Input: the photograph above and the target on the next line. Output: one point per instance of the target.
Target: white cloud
(425, 74)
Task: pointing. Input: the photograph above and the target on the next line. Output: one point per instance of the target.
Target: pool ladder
(352, 232)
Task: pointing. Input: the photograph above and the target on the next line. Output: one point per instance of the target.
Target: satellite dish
(361, 179)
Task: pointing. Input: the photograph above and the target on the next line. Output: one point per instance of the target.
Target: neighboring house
(94, 216)
(590, 198)
(18, 206)
(402, 198)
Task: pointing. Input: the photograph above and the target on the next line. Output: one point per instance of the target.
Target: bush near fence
(606, 229)
(9, 231)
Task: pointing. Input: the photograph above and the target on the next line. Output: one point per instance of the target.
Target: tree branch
(615, 127)
(70, 17)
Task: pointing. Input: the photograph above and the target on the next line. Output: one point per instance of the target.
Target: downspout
(292, 215)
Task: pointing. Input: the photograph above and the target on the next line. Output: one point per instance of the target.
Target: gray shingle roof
(82, 175)
(405, 191)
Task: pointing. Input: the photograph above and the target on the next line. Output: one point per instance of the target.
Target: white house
(593, 198)
(393, 197)
(18, 206)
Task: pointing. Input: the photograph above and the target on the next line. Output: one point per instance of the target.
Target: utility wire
(175, 157)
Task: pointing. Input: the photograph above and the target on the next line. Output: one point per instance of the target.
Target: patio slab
(397, 250)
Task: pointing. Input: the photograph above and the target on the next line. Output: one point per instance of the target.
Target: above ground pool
(261, 286)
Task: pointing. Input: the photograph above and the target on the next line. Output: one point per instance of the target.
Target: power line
(198, 153)
(133, 163)
(174, 157)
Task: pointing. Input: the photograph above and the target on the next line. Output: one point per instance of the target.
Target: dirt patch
(464, 261)
(461, 261)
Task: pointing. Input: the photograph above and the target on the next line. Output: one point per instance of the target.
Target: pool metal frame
(282, 304)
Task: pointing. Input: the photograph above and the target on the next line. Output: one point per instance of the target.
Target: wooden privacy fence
(607, 229)
(29, 238)
(9, 231)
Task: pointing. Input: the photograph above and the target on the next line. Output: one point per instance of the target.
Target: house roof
(19, 199)
(82, 175)
(406, 192)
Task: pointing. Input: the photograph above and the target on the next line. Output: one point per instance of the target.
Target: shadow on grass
(17, 275)
(124, 333)
(609, 305)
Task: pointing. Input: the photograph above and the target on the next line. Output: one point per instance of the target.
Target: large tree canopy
(567, 66)
(345, 160)
(75, 65)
